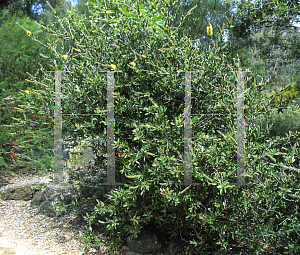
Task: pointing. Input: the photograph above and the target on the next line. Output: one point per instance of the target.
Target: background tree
(194, 25)
(250, 20)
(280, 60)
(266, 32)
(61, 8)
(81, 6)
(31, 8)
(36, 10)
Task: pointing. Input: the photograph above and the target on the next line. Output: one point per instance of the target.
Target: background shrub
(26, 119)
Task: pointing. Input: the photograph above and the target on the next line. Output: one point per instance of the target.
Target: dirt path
(24, 231)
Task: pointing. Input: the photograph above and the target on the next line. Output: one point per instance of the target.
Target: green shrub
(149, 114)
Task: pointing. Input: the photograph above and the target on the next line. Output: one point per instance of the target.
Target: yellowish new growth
(113, 66)
(209, 30)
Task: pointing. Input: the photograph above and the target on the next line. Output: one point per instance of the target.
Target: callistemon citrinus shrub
(149, 131)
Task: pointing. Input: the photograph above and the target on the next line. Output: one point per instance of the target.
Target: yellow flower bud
(28, 32)
(27, 91)
(209, 30)
(65, 56)
(143, 56)
(134, 64)
(113, 66)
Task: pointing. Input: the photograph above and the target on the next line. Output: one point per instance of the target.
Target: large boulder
(146, 242)
(150, 240)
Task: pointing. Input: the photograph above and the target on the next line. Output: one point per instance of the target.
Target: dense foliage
(149, 127)
(149, 113)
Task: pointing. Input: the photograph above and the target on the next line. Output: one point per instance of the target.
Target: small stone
(40, 197)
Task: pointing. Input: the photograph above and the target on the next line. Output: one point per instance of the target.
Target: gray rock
(48, 209)
(65, 154)
(22, 192)
(44, 199)
(152, 242)
(40, 197)
(39, 154)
